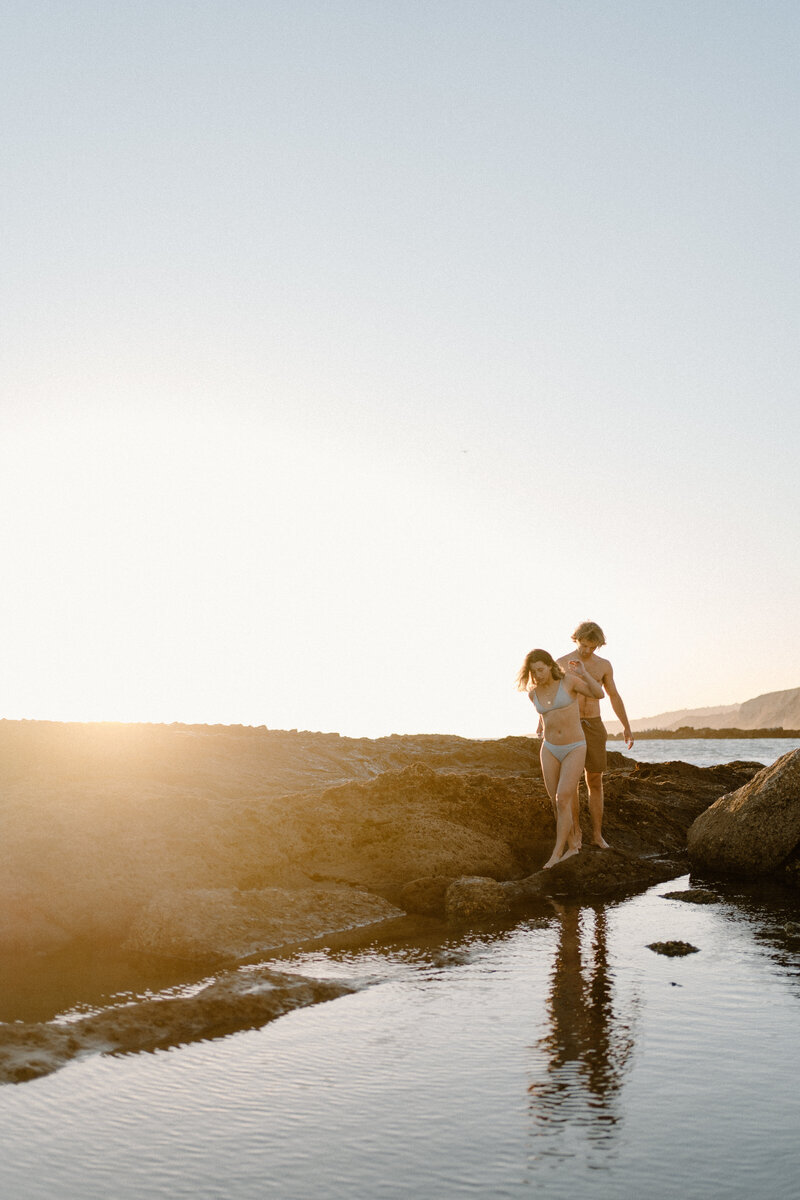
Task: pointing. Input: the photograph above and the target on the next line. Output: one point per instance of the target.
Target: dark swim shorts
(595, 733)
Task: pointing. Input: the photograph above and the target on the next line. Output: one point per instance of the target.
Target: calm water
(556, 1057)
(706, 752)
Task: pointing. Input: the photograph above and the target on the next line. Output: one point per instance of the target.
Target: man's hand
(627, 738)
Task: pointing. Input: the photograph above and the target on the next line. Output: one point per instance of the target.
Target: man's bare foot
(601, 843)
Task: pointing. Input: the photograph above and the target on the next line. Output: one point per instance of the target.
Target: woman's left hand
(576, 666)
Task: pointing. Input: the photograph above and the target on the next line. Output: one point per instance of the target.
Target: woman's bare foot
(601, 843)
(552, 860)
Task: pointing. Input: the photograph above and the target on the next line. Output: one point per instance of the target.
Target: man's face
(586, 648)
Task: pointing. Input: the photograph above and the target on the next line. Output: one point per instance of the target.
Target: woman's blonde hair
(523, 678)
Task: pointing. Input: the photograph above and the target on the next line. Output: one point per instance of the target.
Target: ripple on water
(558, 1056)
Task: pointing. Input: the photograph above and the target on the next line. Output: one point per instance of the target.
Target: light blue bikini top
(562, 699)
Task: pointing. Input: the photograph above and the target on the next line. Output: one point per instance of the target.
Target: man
(589, 637)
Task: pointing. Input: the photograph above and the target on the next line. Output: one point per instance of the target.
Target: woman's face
(540, 672)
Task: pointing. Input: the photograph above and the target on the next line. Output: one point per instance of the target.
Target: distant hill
(773, 710)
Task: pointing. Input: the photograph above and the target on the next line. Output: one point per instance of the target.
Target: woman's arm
(583, 682)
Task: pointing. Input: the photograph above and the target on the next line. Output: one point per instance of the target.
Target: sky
(350, 349)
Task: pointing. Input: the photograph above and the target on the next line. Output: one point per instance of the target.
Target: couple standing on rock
(567, 695)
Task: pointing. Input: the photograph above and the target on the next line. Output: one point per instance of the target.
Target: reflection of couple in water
(590, 1036)
(574, 736)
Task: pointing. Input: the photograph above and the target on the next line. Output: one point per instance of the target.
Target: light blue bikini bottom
(561, 752)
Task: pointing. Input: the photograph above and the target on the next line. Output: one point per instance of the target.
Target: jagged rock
(472, 897)
(754, 829)
(230, 924)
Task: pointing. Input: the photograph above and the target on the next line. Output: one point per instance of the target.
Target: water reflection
(587, 1050)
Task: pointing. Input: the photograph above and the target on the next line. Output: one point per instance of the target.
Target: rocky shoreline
(221, 846)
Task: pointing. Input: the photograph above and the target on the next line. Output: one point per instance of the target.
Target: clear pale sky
(352, 349)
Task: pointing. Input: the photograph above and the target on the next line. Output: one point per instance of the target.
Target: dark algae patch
(692, 896)
(673, 949)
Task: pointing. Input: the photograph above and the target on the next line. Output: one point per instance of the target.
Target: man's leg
(594, 786)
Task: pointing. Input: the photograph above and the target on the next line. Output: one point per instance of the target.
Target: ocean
(707, 752)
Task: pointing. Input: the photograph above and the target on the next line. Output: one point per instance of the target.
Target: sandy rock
(752, 830)
(23, 921)
(473, 897)
(229, 924)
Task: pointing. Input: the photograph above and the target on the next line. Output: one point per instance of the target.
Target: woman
(555, 696)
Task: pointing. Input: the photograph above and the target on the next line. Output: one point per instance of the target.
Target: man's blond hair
(589, 631)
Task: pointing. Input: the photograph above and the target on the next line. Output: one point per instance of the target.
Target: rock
(673, 949)
(425, 896)
(224, 923)
(99, 819)
(473, 897)
(752, 830)
(692, 896)
(593, 873)
(245, 999)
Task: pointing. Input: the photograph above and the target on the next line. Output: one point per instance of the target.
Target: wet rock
(753, 830)
(673, 949)
(593, 872)
(225, 923)
(246, 999)
(692, 896)
(473, 897)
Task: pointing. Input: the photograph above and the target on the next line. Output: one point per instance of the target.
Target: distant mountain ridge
(773, 710)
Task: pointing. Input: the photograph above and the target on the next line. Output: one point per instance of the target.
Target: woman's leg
(551, 768)
(566, 785)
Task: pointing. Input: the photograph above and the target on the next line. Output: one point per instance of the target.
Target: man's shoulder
(601, 665)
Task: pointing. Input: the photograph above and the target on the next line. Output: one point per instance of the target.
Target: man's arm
(618, 706)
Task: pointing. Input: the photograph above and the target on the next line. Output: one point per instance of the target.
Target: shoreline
(689, 733)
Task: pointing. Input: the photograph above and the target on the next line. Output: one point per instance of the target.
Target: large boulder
(753, 830)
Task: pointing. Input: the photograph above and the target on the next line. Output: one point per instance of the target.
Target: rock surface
(472, 896)
(204, 844)
(245, 999)
(220, 923)
(100, 822)
(755, 829)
